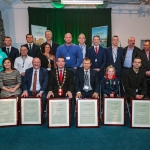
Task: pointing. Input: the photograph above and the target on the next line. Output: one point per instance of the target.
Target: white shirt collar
(8, 47)
(36, 69)
(96, 46)
(87, 70)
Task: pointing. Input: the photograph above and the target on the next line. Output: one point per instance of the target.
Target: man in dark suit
(10, 51)
(86, 83)
(33, 49)
(114, 56)
(48, 36)
(35, 82)
(97, 54)
(61, 81)
(129, 53)
(134, 81)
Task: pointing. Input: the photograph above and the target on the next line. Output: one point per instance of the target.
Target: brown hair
(12, 67)
(43, 50)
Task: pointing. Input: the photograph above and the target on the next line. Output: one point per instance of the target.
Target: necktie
(96, 50)
(86, 80)
(30, 47)
(60, 76)
(34, 83)
(8, 51)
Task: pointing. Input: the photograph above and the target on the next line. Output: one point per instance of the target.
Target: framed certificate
(87, 112)
(140, 113)
(114, 111)
(8, 112)
(59, 113)
(31, 111)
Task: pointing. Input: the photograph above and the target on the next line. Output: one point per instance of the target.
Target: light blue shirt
(128, 58)
(83, 47)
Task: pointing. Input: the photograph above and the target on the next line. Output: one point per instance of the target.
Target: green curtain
(74, 21)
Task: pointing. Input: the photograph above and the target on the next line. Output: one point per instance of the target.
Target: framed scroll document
(87, 112)
(59, 113)
(8, 112)
(114, 111)
(140, 113)
(31, 111)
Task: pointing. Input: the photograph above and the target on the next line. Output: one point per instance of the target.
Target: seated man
(35, 82)
(87, 83)
(134, 81)
(61, 82)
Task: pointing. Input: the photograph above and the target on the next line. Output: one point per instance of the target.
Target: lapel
(111, 55)
(118, 54)
(91, 75)
(40, 75)
(144, 53)
(82, 75)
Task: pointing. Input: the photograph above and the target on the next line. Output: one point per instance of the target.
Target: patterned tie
(86, 80)
(34, 83)
(60, 76)
(96, 50)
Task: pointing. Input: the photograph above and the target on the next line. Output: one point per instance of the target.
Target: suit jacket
(136, 52)
(34, 52)
(79, 82)
(54, 47)
(14, 53)
(68, 85)
(43, 77)
(86, 53)
(129, 81)
(119, 60)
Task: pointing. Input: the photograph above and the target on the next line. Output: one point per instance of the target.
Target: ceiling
(5, 4)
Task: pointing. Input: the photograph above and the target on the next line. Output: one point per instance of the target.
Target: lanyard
(68, 48)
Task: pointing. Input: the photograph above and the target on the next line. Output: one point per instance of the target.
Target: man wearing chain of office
(61, 81)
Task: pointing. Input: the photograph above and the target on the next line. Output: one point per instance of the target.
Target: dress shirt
(128, 58)
(114, 53)
(38, 86)
(147, 53)
(83, 47)
(29, 45)
(88, 73)
(9, 49)
(96, 47)
(22, 64)
(62, 71)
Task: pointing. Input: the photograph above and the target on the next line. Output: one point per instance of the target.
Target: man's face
(115, 41)
(81, 39)
(131, 41)
(7, 42)
(146, 46)
(36, 63)
(136, 63)
(86, 64)
(23, 51)
(68, 38)
(48, 36)
(96, 41)
(60, 63)
(29, 39)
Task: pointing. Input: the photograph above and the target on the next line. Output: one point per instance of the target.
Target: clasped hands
(95, 95)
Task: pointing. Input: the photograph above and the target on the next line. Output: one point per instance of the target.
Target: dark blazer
(43, 77)
(34, 52)
(68, 85)
(136, 51)
(119, 60)
(79, 82)
(54, 47)
(129, 82)
(14, 53)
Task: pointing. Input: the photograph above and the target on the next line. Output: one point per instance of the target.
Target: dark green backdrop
(74, 21)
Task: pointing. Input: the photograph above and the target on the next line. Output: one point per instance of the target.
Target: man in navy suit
(97, 54)
(33, 49)
(86, 83)
(10, 51)
(41, 82)
(114, 56)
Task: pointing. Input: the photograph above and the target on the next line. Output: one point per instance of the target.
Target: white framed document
(114, 111)
(59, 112)
(8, 112)
(31, 111)
(87, 112)
(140, 113)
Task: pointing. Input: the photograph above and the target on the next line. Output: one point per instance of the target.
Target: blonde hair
(111, 66)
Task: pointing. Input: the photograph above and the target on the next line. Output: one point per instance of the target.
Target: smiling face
(86, 64)
(96, 41)
(23, 51)
(36, 63)
(115, 41)
(47, 48)
(7, 64)
(60, 63)
(48, 35)
(137, 63)
(81, 39)
(131, 41)
(110, 72)
(68, 38)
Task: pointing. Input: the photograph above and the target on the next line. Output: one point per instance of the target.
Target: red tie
(60, 76)
(96, 50)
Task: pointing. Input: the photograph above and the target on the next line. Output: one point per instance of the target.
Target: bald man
(35, 82)
(129, 53)
(71, 52)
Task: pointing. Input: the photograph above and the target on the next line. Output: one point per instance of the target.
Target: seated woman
(110, 83)
(10, 80)
(46, 57)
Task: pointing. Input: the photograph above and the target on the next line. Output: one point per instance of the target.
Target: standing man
(134, 81)
(33, 49)
(71, 52)
(48, 36)
(61, 82)
(10, 51)
(114, 56)
(97, 54)
(35, 82)
(129, 53)
(86, 84)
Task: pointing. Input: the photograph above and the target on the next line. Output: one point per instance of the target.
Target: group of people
(74, 70)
